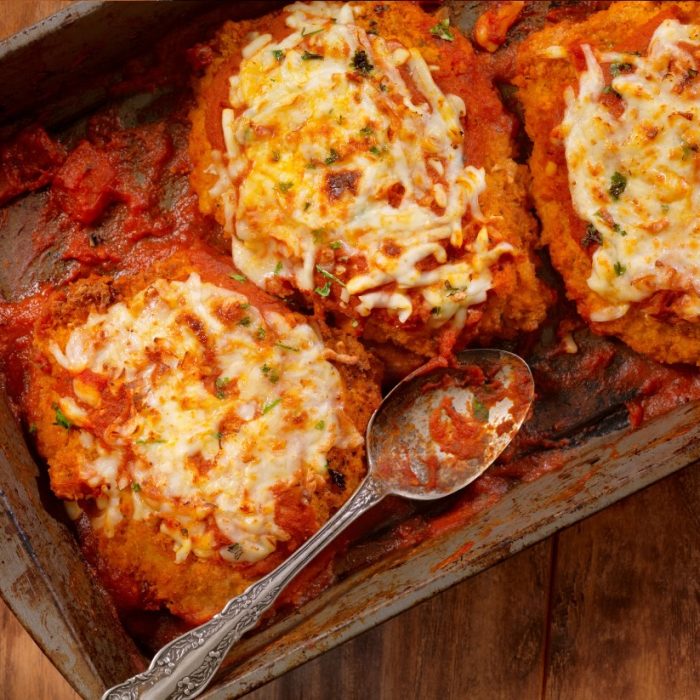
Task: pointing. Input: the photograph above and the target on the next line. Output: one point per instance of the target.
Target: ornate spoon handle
(183, 668)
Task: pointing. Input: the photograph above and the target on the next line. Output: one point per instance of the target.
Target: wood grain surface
(609, 608)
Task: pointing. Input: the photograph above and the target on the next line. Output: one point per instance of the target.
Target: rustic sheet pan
(42, 575)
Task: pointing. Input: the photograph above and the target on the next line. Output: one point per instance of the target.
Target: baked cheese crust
(612, 107)
(354, 153)
(201, 428)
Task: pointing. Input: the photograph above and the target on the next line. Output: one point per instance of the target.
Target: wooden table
(608, 608)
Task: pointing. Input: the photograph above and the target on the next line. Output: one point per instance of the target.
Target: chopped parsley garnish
(481, 412)
(610, 90)
(617, 68)
(238, 277)
(451, 291)
(61, 418)
(618, 182)
(269, 406)
(618, 229)
(285, 186)
(308, 56)
(383, 87)
(361, 62)
(278, 54)
(333, 156)
(320, 425)
(688, 149)
(334, 245)
(261, 333)
(325, 290)
(591, 237)
(271, 373)
(619, 268)
(153, 441)
(330, 276)
(286, 347)
(316, 31)
(442, 30)
(235, 550)
(318, 234)
(218, 435)
(245, 321)
(278, 268)
(366, 131)
(306, 206)
(135, 487)
(32, 429)
(220, 386)
(243, 307)
(375, 151)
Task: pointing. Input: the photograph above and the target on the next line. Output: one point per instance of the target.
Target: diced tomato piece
(83, 187)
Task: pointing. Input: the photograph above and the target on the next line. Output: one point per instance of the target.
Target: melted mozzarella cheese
(320, 151)
(218, 415)
(650, 229)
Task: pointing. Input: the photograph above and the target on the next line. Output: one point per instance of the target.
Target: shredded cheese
(214, 418)
(333, 135)
(634, 177)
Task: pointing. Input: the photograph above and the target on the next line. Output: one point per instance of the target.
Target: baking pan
(594, 457)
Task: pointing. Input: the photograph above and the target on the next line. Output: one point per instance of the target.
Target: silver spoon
(433, 434)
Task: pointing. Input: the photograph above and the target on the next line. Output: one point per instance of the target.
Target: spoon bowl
(434, 433)
(438, 430)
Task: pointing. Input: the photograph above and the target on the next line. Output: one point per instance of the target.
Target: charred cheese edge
(335, 139)
(634, 178)
(224, 404)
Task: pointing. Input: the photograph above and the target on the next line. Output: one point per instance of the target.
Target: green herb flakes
(285, 186)
(320, 425)
(480, 411)
(591, 237)
(442, 30)
(135, 487)
(330, 276)
(308, 56)
(269, 406)
(325, 290)
(261, 333)
(361, 62)
(619, 268)
(245, 321)
(286, 347)
(238, 277)
(271, 373)
(618, 183)
(235, 550)
(61, 418)
(335, 245)
(278, 268)
(220, 385)
(333, 156)
(278, 54)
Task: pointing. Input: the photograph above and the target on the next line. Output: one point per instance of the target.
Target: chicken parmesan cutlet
(200, 430)
(357, 154)
(612, 105)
